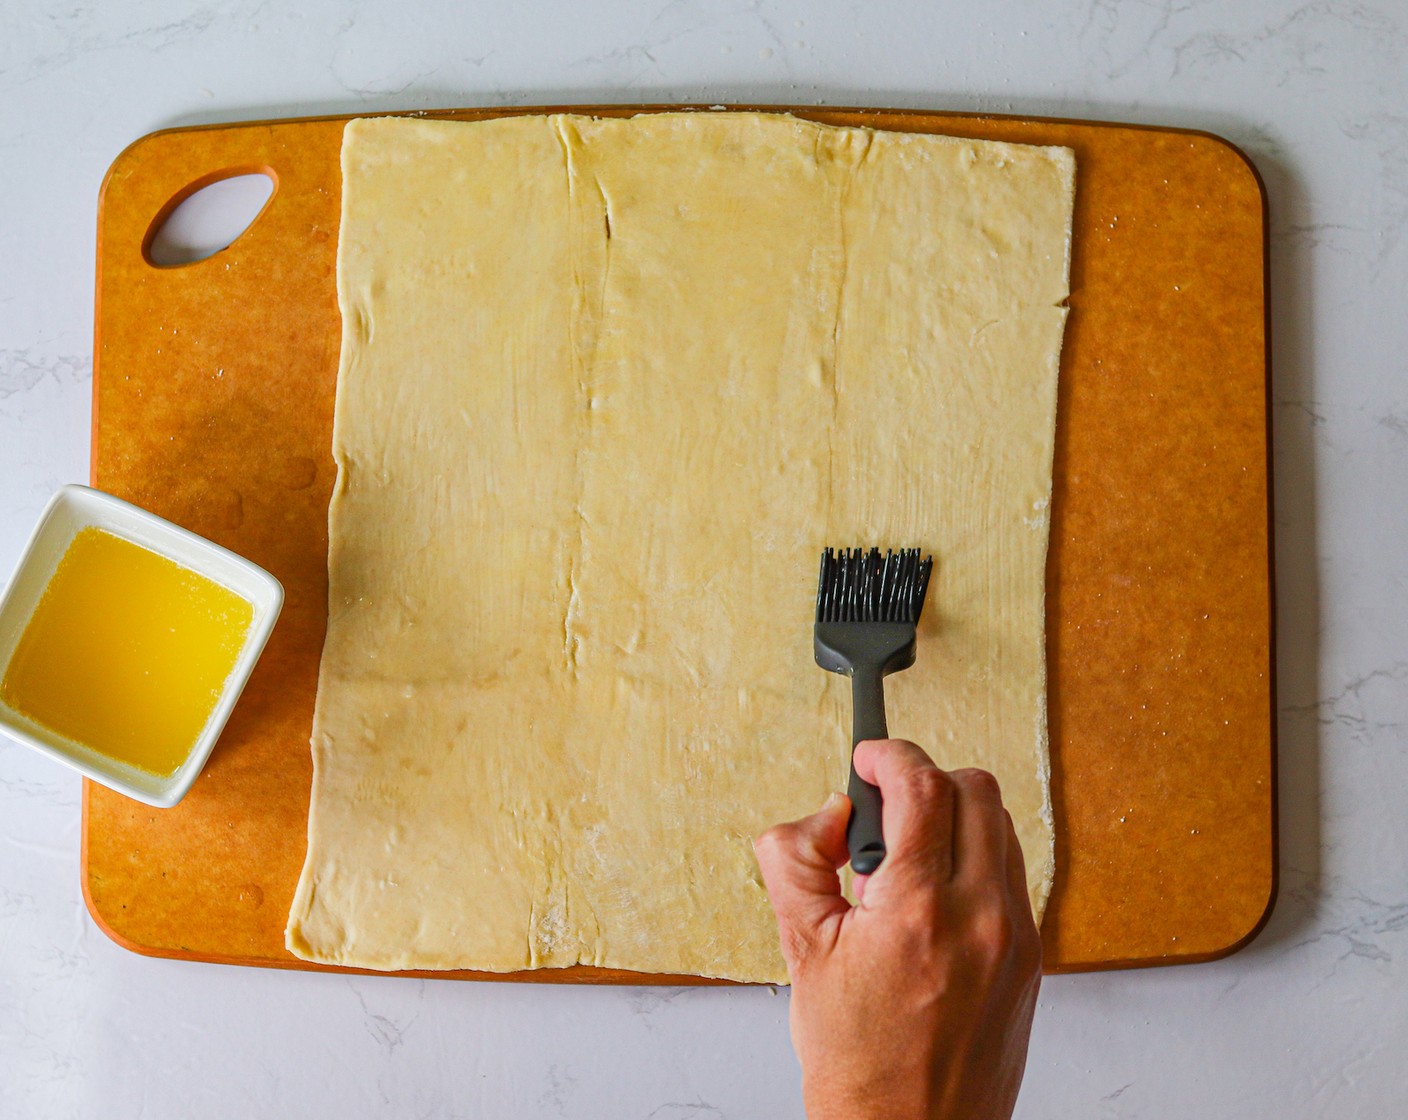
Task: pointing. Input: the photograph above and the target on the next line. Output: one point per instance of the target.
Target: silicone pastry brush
(867, 609)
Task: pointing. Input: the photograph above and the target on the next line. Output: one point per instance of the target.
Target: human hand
(918, 1002)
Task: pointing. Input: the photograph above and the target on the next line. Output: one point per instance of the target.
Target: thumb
(799, 862)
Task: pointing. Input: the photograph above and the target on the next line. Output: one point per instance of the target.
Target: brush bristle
(860, 586)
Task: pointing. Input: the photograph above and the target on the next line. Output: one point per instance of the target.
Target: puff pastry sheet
(607, 388)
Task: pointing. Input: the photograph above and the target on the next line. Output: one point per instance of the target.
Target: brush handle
(863, 836)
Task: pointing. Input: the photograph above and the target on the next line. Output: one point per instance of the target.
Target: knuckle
(1004, 937)
(980, 783)
(779, 838)
(775, 846)
(996, 932)
(927, 787)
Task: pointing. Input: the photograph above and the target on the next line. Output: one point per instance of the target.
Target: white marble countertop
(1311, 1020)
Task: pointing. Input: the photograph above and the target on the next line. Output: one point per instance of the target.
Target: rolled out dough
(607, 388)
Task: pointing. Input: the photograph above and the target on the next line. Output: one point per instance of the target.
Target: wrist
(894, 1099)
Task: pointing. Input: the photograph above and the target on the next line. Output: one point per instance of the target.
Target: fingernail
(832, 800)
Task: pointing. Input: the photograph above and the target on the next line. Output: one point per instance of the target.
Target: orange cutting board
(213, 397)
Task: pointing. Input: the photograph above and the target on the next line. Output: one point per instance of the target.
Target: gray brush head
(860, 586)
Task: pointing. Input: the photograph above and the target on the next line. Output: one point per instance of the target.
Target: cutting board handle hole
(207, 216)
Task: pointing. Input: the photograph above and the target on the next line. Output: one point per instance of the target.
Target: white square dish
(73, 509)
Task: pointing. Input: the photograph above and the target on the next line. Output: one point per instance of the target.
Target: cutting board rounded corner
(1255, 929)
(1256, 917)
(1243, 159)
(133, 156)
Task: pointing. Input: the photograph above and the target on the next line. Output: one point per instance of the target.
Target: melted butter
(127, 652)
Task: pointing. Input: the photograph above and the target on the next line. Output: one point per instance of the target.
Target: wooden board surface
(213, 396)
